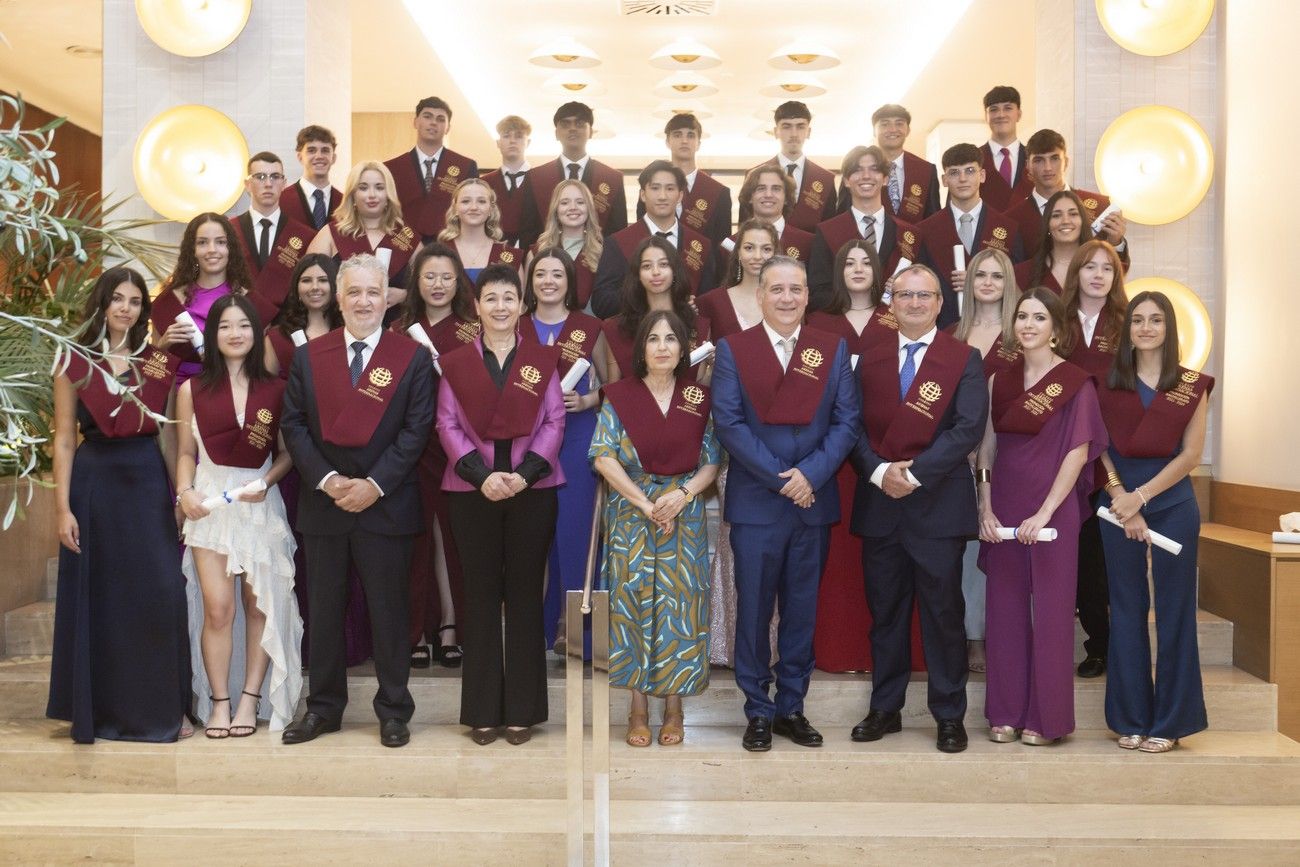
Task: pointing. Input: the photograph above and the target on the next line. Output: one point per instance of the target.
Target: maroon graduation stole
(271, 281)
(402, 241)
(901, 431)
(586, 280)
(692, 248)
(282, 346)
(228, 443)
(916, 193)
(810, 202)
(621, 345)
(1018, 411)
(451, 332)
(166, 307)
(796, 243)
(1098, 356)
(716, 305)
(152, 370)
(999, 359)
(1154, 431)
(504, 254)
(602, 181)
(349, 416)
(666, 445)
(510, 412)
(577, 338)
(791, 396)
(699, 202)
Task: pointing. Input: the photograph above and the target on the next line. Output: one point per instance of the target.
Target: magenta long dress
(1030, 616)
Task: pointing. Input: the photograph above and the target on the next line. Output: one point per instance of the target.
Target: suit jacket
(605, 183)
(939, 236)
(995, 191)
(607, 297)
(706, 208)
(389, 457)
(944, 505)
(518, 212)
(271, 280)
(814, 200)
(760, 451)
(899, 240)
(920, 190)
(426, 213)
(1030, 220)
(295, 206)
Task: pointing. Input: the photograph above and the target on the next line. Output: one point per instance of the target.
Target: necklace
(851, 307)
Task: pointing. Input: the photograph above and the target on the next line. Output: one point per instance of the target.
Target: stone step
(1235, 700)
(1230, 768)
(125, 828)
(30, 630)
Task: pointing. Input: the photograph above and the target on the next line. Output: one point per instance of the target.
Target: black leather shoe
(952, 736)
(876, 725)
(797, 728)
(1093, 666)
(394, 733)
(758, 735)
(310, 727)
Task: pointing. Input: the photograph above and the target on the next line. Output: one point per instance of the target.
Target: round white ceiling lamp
(804, 55)
(685, 53)
(794, 85)
(564, 53)
(685, 85)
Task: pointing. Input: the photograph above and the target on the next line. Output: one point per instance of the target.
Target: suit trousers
(897, 570)
(1091, 598)
(776, 563)
(503, 547)
(382, 562)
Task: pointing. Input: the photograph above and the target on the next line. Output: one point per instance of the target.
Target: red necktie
(1005, 168)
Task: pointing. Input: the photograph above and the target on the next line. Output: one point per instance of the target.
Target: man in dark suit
(426, 176)
(313, 198)
(785, 409)
(357, 412)
(814, 196)
(574, 127)
(1004, 159)
(706, 203)
(924, 407)
(519, 225)
(911, 183)
(271, 240)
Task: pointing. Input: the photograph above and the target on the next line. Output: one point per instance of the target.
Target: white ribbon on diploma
(575, 375)
(225, 498)
(418, 335)
(1164, 543)
(196, 339)
(703, 351)
(1047, 534)
(299, 337)
(384, 255)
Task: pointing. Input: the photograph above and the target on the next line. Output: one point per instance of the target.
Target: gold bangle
(686, 492)
(984, 474)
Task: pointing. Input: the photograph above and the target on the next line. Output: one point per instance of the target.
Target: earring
(1052, 342)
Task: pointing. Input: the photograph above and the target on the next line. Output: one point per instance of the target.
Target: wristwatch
(687, 492)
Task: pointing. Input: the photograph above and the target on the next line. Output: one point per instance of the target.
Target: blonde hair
(345, 215)
(593, 242)
(513, 123)
(1010, 292)
(493, 225)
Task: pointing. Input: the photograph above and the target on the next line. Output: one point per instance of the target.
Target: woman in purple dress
(1044, 432)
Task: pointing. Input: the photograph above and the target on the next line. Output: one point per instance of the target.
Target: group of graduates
(391, 404)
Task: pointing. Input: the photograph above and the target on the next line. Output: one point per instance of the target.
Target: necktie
(318, 210)
(908, 371)
(895, 188)
(667, 236)
(1005, 168)
(573, 171)
(790, 167)
(869, 232)
(264, 243)
(357, 365)
(966, 231)
(512, 180)
(787, 351)
(428, 174)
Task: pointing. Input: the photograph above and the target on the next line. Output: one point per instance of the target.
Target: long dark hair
(570, 278)
(839, 302)
(214, 365)
(651, 319)
(186, 271)
(293, 314)
(753, 224)
(1061, 330)
(1115, 299)
(1043, 259)
(635, 303)
(1123, 372)
(93, 327)
(462, 300)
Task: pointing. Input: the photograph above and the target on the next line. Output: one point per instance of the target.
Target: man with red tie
(661, 194)
(271, 241)
(814, 199)
(313, 198)
(510, 182)
(912, 185)
(769, 195)
(967, 221)
(706, 203)
(427, 175)
(1005, 178)
(1048, 162)
(574, 126)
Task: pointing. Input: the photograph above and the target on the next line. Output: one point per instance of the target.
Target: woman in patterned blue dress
(655, 447)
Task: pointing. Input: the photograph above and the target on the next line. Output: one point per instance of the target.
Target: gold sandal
(1158, 745)
(671, 733)
(638, 729)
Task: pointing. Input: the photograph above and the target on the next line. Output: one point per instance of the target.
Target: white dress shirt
(775, 339)
(674, 233)
(878, 218)
(878, 475)
(975, 222)
(308, 189)
(582, 165)
(257, 217)
(782, 160)
(1013, 148)
(1089, 324)
(423, 157)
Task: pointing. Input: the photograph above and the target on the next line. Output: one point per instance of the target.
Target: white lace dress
(257, 542)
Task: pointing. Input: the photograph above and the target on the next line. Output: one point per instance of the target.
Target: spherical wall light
(1154, 28)
(190, 159)
(193, 28)
(1195, 333)
(1156, 162)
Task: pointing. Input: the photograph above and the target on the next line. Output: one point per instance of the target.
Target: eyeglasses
(444, 279)
(263, 177)
(961, 171)
(910, 295)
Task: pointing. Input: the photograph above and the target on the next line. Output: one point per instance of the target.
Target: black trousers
(503, 547)
(382, 563)
(1092, 595)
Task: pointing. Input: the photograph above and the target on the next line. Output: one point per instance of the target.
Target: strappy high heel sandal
(672, 733)
(449, 655)
(217, 733)
(246, 731)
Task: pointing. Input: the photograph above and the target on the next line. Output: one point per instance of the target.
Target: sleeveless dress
(257, 541)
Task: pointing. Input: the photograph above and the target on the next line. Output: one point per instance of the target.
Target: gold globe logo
(697, 247)
(507, 256)
(1000, 233)
(930, 391)
(916, 189)
(817, 186)
(1190, 376)
(578, 335)
(811, 357)
(1090, 203)
(604, 188)
(295, 242)
(792, 252)
(453, 171)
(530, 374)
(381, 377)
(701, 205)
(909, 237)
(1054, 390)
(693, 394)
(264, 415)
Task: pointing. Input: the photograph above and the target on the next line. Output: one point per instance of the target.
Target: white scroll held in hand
(575, 375)
(384, 255)
(903, 263)
(703, 351)
(225, 498)
(1047, 534)
(1101, 218)
(196, 339)
(959, 257)
(419, 336)
(1290, 522)
(1283, 538)
(1164, 543)
(299, 337)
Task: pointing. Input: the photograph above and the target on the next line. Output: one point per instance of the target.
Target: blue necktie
(357, 364)
(318, 209)
(908, 371)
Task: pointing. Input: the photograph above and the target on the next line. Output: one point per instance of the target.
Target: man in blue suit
(786, 410)
(924, 407)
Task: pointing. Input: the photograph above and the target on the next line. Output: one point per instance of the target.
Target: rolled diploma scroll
(727, 244)
(1286, 538)
(1047, 534)
(959, 264)
(1164, 543)
(418, 335)
(225, 498)
(575, 375)
(853, 362)
(196, 339)
(384, 255)
(1101, 218)
(703, 351)
(299, 337)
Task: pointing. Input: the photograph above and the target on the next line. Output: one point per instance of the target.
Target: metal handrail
(593, 545)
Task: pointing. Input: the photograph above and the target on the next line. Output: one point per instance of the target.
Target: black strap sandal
(217, 733)
(449, 655)
(246, 731)
(420, 656)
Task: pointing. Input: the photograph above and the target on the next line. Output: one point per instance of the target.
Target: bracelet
(686, 492)
(1145, 502)
(179, 494)
(1112, 479)
(984, 474)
